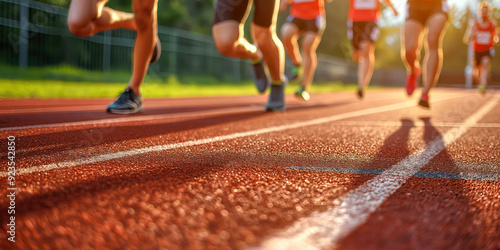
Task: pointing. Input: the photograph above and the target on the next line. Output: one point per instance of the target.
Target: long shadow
(394, 149)
(170, 175)
(69, 116)
(443, 159)
(90, 137)
(462, 204)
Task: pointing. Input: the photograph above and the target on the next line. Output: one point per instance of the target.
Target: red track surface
(238, 191)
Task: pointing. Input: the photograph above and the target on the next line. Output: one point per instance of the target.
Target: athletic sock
(257, 61)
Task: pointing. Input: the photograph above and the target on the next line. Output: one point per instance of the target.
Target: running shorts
(317, 25)
(478, 56)
(421, 11)
(362, 31)
(238, 10)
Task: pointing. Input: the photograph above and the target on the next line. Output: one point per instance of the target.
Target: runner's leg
(434, 50)
(310, 42)
(147, 31)
(88, 17)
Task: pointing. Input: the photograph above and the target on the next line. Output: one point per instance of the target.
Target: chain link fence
(34, 34)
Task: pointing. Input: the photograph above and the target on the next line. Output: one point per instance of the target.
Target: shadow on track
(91, 137)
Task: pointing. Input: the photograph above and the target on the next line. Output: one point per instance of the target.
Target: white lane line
(137, 118)
(413, 124)
(122, 154)
(323, 230)
(441, 175)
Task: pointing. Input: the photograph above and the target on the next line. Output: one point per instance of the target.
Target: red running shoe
(424, 101)
(411, 81)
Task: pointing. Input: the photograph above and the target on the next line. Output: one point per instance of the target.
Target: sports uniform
(308, 15)
(483, 41)
(362, 21)
(422, 10)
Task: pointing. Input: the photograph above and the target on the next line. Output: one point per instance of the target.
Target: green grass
(68, 82)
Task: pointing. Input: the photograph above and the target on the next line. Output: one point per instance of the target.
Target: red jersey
(483, 40)
(308, 9)
(364, 10)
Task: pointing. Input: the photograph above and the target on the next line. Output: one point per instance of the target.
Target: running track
(219, 173)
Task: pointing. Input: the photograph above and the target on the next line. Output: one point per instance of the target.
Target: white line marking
(323, 230)
(441, 175)
(122, 154)
(415, 124)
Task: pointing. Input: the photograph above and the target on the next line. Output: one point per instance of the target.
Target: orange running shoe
(411, 81)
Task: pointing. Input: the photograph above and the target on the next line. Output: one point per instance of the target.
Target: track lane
(246, 176)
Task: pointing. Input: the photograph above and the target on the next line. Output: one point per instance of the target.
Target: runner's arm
(495, 34)
(470, 32)
(389, 4)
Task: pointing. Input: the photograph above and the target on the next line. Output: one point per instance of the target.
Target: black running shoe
(260, 77)
(127, 103)
(277, 97)
(156, 52)
(360, 93)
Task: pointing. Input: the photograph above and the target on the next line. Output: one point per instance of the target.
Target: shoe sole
(276, 109)
(299, 96)
(423, 103)
(124, 111)
(360, 94)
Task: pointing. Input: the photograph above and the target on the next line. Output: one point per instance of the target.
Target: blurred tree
(197, 16)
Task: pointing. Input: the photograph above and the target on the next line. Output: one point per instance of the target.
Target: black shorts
(238, 10)
(421, 11)
(362, 31)
(317, 25)
(478, 56)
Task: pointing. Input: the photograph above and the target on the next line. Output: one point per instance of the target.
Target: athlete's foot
(259, 76)
(296, 72)
(424, 101)
(156, 52)
(482, 89)
(411, 81)
(277, 97)
(301, 93)
(127, 103)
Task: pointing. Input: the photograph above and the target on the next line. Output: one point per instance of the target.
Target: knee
(410, 52)
(365, 49)
(262, 35)
(433, 43)
(225, 46)
(287, 33)
(143, 15)
(79, 27)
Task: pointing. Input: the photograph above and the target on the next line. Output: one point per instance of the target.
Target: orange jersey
(308, 9)
(364, 10)
(483, 39)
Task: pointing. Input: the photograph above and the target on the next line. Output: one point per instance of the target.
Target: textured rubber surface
(220, 173)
